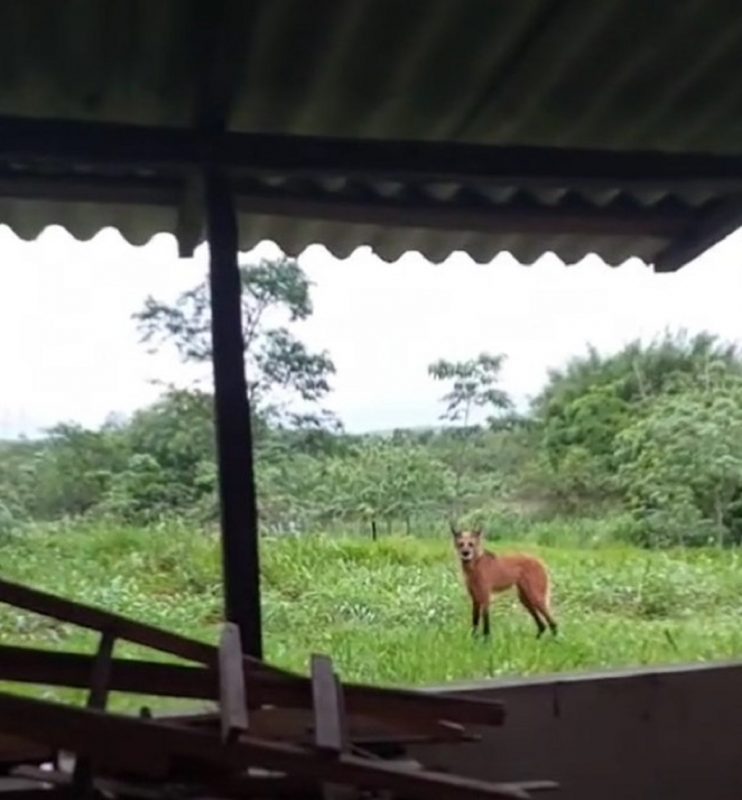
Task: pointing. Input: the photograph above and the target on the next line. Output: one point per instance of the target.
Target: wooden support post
(232, 413)
(100, 681)
(330, 732)
(232, 695)
(101, 678)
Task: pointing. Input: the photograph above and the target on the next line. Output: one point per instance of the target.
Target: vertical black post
(232, 414)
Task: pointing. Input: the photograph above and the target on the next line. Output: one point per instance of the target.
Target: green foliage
(17, 483)
(393, 611)
(141, 492)
(642, 447)
(8, 524)
(650, 436)
(385, 481)
(585, 409)
(172, 467)
(374, 481)
(588, 403)
(681, 464)
(278, 364)
(474, 386)
(73, 471)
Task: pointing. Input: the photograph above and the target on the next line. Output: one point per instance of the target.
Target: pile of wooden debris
(273, 733)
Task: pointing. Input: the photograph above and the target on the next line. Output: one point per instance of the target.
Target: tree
(279, 367)
(586, 405)
(389, 482)
(142, 492)
(172, 444)
(590, 400)
(681, 464)
(288, 489)
(18, 485)
(474, 386)
(72, 471)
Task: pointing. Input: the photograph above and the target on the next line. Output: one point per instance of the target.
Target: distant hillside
(386, 433)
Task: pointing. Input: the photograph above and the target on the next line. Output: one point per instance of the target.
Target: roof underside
(611, 77)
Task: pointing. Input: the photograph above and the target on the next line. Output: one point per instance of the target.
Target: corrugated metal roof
(610, 75)
(138, 223)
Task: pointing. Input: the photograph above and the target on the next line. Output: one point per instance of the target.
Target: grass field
(394, 611)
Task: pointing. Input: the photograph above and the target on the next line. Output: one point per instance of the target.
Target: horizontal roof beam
(665, 220)
(568, 218)
(69, 142)
(153, 190)
(65, 161)
(715, 224)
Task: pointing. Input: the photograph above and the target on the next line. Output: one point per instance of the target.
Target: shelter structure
(547, 125)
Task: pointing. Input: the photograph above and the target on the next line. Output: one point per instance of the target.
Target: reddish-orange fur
(487, 574)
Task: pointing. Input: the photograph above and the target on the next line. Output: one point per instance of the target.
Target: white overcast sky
(69, 350)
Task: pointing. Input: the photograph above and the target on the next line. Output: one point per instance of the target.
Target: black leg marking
(486, 617)
(474, 619)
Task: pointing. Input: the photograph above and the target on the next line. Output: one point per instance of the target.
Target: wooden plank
(106, 785)
(239, 519)
(133, 743)
(277, 785)
(97, 698)
(96, 619)
(16, 750)
(21, 789)
(329, 724)
(338, 791)
(342, 712)
(87, 733)
(537, 786)
(402, 709)
(264, 786)
(28, 665)
(232, 695)
(101, 677)
(296, 725)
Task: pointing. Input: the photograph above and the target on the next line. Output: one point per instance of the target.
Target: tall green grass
(394, 611)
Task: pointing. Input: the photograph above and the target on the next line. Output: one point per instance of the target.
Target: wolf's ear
(478, 532)
(454, 532)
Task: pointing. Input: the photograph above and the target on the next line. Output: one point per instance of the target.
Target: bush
(498, 522)
(8, 522)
